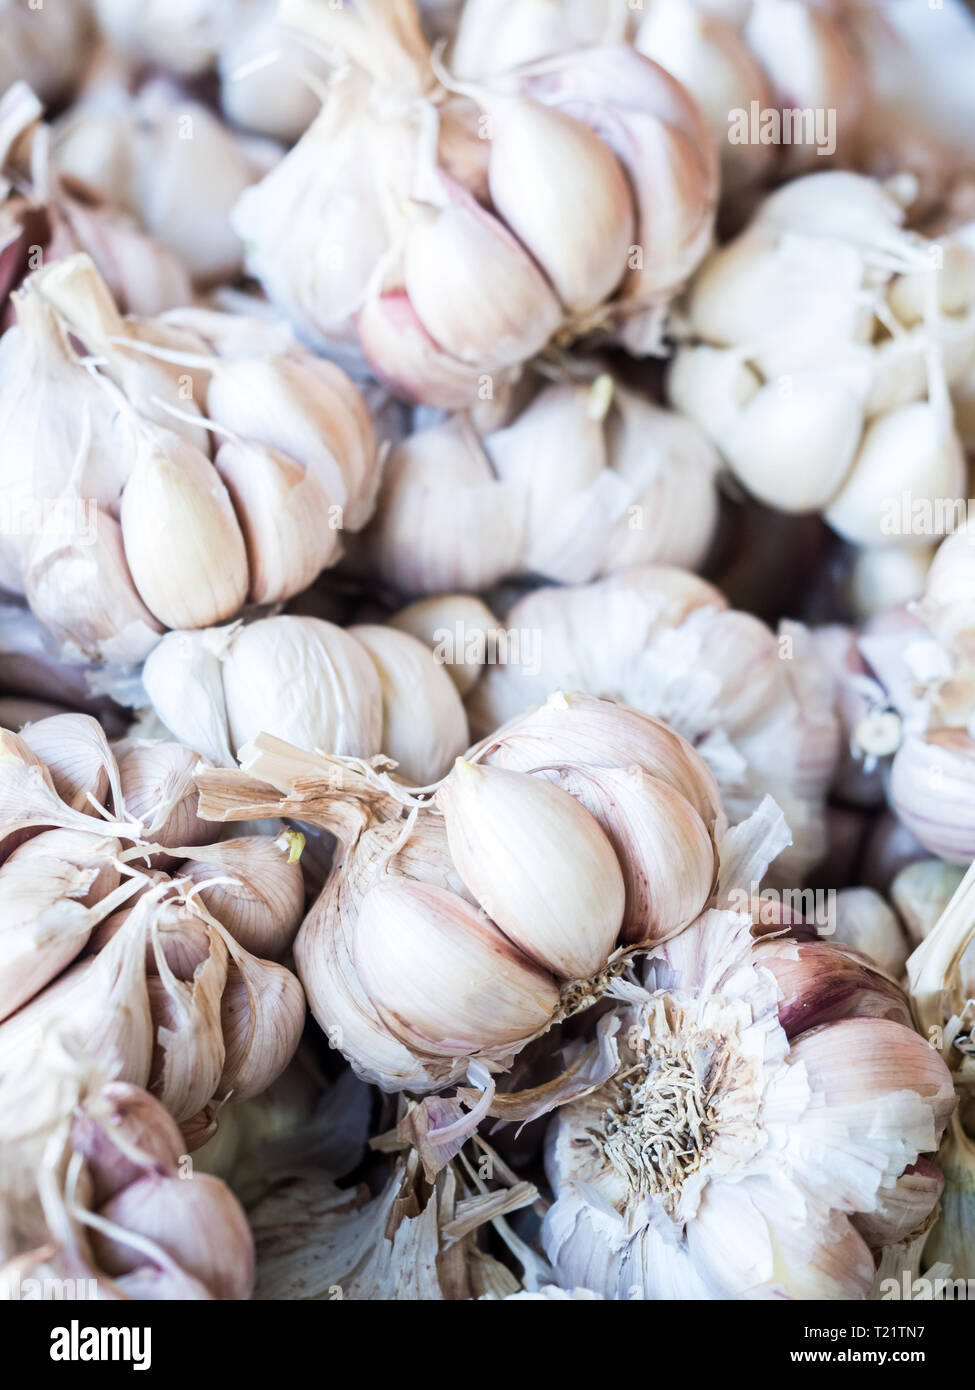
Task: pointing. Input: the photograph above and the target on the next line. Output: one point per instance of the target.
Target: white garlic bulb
(588, 478)
(446, 297)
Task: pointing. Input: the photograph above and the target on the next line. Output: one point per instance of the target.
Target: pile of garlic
(578, 477)
(131, 933)
(820, 347)
(458, 230)
(117, 522)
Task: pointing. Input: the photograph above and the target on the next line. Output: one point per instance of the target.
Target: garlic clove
(710, 386)
(262, 1014)
(951, 1240)
(861, 919)
(81, 588)
(908, 453)
(460, 250)
(424, 722)
(554, 455)
(820, 983)
(904, 1209)
(444, 980)
(578, 228)
(484, 540)
(262, 904)
(306, 681)
(286, 519)
(792, 449)
(406, 358)
(930, 790)
(661, 843)
(199, 1224)
(123, 1132)
(458, 629)
(185, 1002)
(538, 864)
(307, 408)
(921, 892)
(158, 788)
(885, 1087)
(75, 752)
(183, 678)
(182, 541)
(585, 730)
(947, 604)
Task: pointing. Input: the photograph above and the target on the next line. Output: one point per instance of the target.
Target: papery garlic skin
(712, 1217)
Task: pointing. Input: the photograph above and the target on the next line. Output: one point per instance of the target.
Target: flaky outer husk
(803, 1133)
(415, 1241)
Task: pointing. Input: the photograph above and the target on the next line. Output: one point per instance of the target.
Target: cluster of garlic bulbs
(117, 522)
(585, 477)
(46, 213)
(756, 705)
(770, 1129)
(457, 231)
(455, 929)
(821, 345)
(134, 935)
(112, 1209)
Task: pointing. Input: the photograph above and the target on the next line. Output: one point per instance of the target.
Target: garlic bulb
(168, 162)
(444, 930)
(588, 478)
(357, 692)
(128, 528)
(931, 791)
(48, 214)
(797, 367)
(165, 994)
(107, 1197)
(758, 709)
(447, 297)
(663, 1181)
(262, 905)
